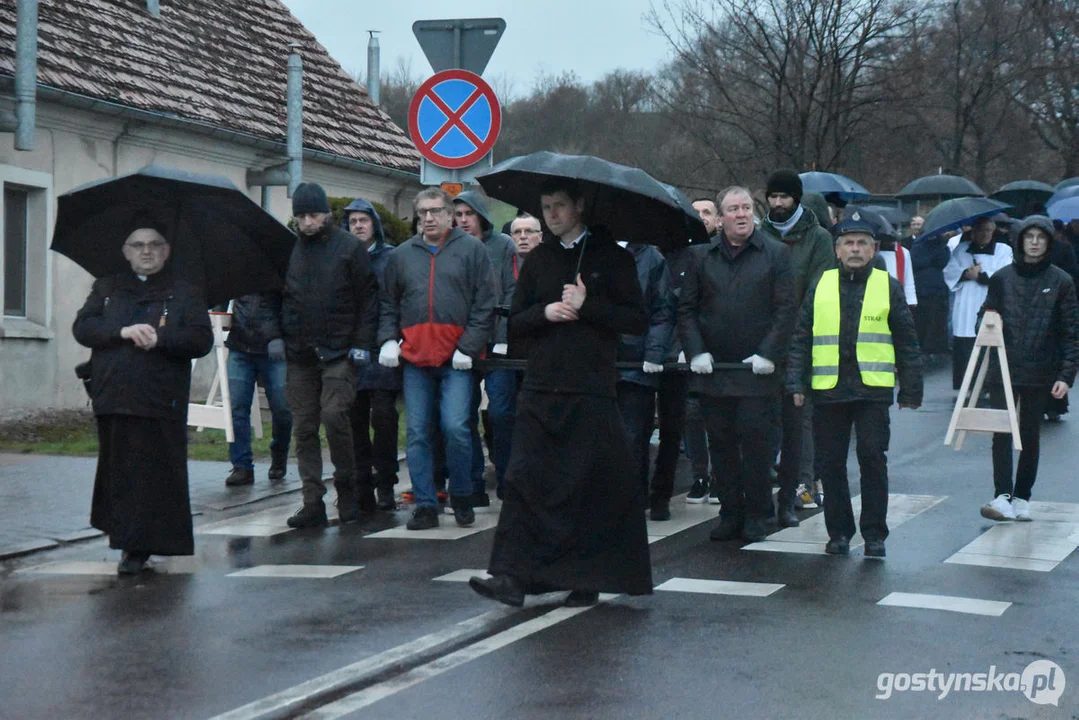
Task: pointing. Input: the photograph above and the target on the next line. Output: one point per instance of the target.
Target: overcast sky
(589, 37)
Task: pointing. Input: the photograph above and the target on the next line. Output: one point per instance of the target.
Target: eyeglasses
(140, 246)
(525, 231)
(431, 211)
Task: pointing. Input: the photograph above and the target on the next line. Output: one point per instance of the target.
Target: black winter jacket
(928, 258)
(659, 302)
(330, 302)
(1037, 305)
(256, 320)
(734, 307)
(144, 383)
(849, 387)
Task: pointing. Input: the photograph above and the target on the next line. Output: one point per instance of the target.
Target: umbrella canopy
(1066, 210)
(895, 216)
(631, 203)
(932, 187)
(1062, 194)
(1024, 195)
(1069, 182)
(833, 184)
(221, 240)
(869, 212)
(953, 214)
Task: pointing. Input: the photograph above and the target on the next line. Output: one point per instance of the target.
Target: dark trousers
(832, 424)
(1032, 402)
(738, 436)
(322, 393)
(962, 347)
(696, 438)
(375, 413)
(931, 324)
(790, 460)
(671, 411)
(637, 405)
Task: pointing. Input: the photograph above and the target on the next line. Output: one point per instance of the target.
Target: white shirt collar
(585, 232)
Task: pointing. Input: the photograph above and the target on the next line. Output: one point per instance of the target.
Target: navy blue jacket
(928, 258)
(659, 302)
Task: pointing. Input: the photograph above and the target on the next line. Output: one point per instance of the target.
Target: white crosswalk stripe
(972, 606)
(1040, 545)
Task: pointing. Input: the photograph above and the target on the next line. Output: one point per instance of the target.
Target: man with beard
(573, 517)
(1037, 305)
(329, 317)
(811, 253)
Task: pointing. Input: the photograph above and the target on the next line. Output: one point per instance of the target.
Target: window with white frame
(24, 260)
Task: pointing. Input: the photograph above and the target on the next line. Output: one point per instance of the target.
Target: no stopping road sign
(454, 118)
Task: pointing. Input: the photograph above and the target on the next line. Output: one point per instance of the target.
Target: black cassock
(574, 514)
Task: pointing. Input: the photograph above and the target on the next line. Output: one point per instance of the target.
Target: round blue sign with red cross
(454, 118)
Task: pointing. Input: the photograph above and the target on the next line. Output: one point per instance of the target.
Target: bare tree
(1051, 96)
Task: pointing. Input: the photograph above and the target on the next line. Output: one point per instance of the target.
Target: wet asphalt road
(193, 642)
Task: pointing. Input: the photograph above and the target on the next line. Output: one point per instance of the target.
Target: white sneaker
(999, 509)
(1021, 508)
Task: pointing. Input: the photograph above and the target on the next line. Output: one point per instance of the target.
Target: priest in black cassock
(574, 512)
(143, 326)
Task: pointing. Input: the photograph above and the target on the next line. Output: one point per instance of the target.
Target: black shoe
(506, 589)
(699, 492)
(462, 509)
(581, 598)
(240, 476)
(423, 518)
(661, 510)
(480, 499)
(311, 515)
(729, 528)
(874, 548)
(838, 546)
(385, 500)
(132, 563)
(348, 508)
(753, 530)
(785, 516)
(278, 467)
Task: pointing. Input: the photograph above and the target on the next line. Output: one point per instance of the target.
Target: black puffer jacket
(256, 320)
(330, 302)
(145, 383)
(849, 387)
(1038, 308)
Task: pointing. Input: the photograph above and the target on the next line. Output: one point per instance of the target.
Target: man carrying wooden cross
(1040, 320)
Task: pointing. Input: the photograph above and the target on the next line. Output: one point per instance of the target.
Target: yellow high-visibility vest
(874, 350)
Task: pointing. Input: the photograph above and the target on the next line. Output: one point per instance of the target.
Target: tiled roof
(221, 62)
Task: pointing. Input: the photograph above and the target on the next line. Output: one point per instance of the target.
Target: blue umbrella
(954, 214)
(1066, 210)
(932, 187)
(833, 183)
(1062, 194)
(1067, 183)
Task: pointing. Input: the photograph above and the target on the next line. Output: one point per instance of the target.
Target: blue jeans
(243, 370)
(453, 389)
(501, 386)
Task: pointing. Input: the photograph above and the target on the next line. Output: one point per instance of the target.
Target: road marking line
(720, 587)
(683, 517)
(319, 572)
(810, 537)
(447, 529)
(86, 567)
(462, 575)
(369, 696)
(297, 695)
(971, 606)
(1039, 545)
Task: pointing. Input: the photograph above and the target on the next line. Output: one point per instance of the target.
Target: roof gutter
(106, 107)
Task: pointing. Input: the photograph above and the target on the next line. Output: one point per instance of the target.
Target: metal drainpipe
(25, 74)
(266, 198)
(295, 118)
(374, 76)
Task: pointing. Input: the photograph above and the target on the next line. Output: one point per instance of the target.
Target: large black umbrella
(827, 183)
(955, 213)
(933, 187)
(895, 216)
(870, 213)
(632, 204)
(1024, 195)
(221, 239)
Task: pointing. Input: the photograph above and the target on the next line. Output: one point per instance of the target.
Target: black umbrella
(835, 184)
(895, 216)
(221, 239)
(632, 204)
(932, 187)
(1024, 195)
(953, 214)
(870, 213)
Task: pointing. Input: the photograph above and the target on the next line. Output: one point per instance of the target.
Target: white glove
(682, 357)
(461, 361)
(702, 364)
(390, 354)
(500, 348)
(652, 367)
(761, 366)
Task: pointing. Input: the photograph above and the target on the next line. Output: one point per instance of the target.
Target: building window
(15, 232)
(25, 265)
